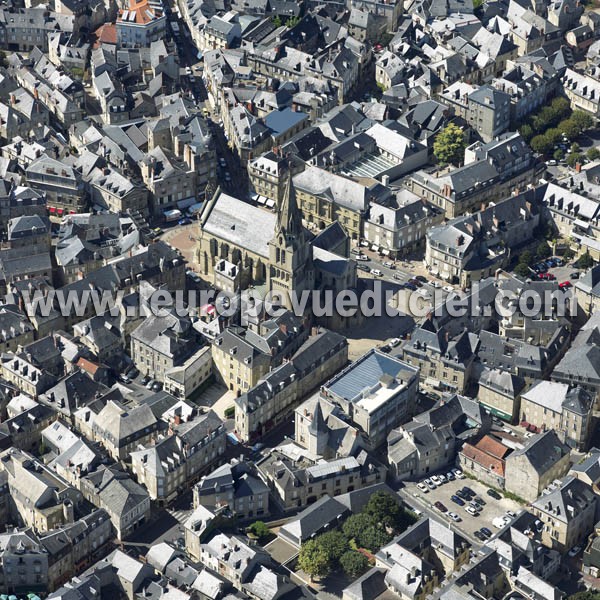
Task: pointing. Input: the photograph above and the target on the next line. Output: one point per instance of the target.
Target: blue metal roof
(365, 373)
(279, 121)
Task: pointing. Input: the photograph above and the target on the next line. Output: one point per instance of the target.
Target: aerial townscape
(300, 299)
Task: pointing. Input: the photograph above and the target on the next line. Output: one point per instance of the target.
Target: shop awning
(364, 244)
(261, 200)
(183, 204)
(434, 383)
(60, 211)
(375, 248)
(385, 252)
(582, 224)
(52, 209)
(270, 203)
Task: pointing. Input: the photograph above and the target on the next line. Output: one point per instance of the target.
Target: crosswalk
(180, 515)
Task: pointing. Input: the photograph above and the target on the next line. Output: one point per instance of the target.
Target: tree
(561, 105)
(449, 145)
(522, 270)
(593, 154)
(544, 250)
(334, 544)
(582, 119)
(553, 135)
(354, 563)
(541, 144)
(526, 258)
(259, 530)
(384, 509)
(374, 537)
(313, 560)
(586, 595)
(585, 261)
(573, 159)
(568, 254)
(558, 154)
(276, 21)
(356, 524)
(569, 128)
(526, 131)
(292, 22)
(575, 147)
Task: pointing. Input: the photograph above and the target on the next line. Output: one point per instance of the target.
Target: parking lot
(469, 524)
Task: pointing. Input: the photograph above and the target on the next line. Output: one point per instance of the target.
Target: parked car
(472, 511)
(145, 379)
(355, 251)
(363, 268)
(386, 348)
(423, 487)
(376, 272)
(574, 275)
(479, 500)
(421, 278)
(469, 491)
(150, 384)
(410, 286)
(442, 478)
(511, 514)
(494, 494)
(565, 285)
(574, 551)
(436, 480)
(430, 484)
(440, 507)
(124, 378)
(448, 288)
(458, 473)
(480, 536)
(457, 500)
(184, 221)
(454, 516)
(394, 342)
(462, 495)
(363, 257)
(450, 476)
(486, 532)
(157, 386)
(436, 284)
(389, 264)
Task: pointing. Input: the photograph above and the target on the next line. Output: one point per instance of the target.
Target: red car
(565, 285)
(440, 507)
(547, 276)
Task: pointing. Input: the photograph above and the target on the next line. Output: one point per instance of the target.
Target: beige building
(557, 406)
(500, 392)
(274, 397)
(172, 464)
(587, 291)
(531, 469)
(267, 174)
(568, 514)
(183, 380)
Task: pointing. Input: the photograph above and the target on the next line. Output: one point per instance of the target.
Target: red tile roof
(491, 446)
(487, 461)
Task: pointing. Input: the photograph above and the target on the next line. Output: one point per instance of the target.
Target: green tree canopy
(313, 560)
(334, 544)
(354, 563)
(544, 250)
(449, 145)
(573, 159)
(593, 154)
(585, 261)
(586, 595)
(582, 119)
(356, 524)
(522, 270)
(526, 258)
(259, 529)
(384, 509)
(374, 537)
(541, 144)
(558, 154)
(526, 131)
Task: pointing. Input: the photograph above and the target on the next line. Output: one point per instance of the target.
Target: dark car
(486, 532)
(462, 495)
(440, 507)
(387, 348)
(421, 278)
(480, 536)
(184, 221)
(145, 380)
(574, 275)
(363, 268)
(457, 500)
(469, 491)
(132, 373)
(479, 500)
(415, 282)
(410, 286)
(494, 494)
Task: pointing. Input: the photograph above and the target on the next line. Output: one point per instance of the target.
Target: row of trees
(576, 124)
(526, 259)
(546, 118)
(375, 526)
